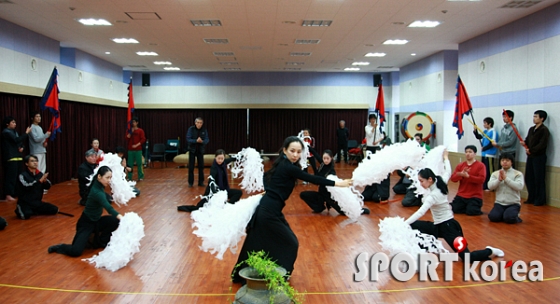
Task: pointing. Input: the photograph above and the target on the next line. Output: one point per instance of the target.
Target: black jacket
(11, 142)
(342, 134)
(30, 189)
(84, 172)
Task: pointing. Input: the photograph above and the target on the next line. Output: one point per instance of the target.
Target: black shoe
(201, 184)
(365, 211)
(519, 220)
(190, 185)
(54, 248)
(82, 202)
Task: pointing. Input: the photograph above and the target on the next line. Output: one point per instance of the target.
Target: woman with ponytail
(268, 229)
(93, 229)
(444, 225)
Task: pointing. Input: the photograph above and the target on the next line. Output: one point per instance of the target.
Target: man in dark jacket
(12, 146)
(342, 135)
(84, 172)
(536, 143)
(30, 187)
(197, 139)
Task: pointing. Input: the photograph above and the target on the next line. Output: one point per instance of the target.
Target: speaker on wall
(376, 80)
(145, 80)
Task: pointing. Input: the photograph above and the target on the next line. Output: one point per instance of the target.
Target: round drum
(418, 122)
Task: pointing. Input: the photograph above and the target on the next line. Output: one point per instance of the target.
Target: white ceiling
(261, 33)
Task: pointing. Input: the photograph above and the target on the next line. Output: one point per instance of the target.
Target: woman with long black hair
(444, 224)
(268, 229)
(93, 229)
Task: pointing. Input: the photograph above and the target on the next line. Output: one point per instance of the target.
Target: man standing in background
(536, 143)
(197, 139)
(342, 135)
(38, 141)
(135, 141)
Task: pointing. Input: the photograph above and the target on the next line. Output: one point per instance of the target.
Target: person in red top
(471, 175)
(135, 141)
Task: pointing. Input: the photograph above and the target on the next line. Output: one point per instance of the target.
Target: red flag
(130, 108)
(380, 105)
(50, 101)
(462, 106)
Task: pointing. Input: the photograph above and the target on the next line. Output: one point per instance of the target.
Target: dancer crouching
(93, 229)
(444, 225)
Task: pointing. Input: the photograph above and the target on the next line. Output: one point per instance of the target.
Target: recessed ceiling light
(292, 69)
(300, 53)
(224, 54)
(107, 53)
(375, 55)
(171, 68)
(162, 62)
(147, 53)
(92, 21)
(398, 23)
(216, 40)
(289, 22)
(413, 54)
(352, 69)
(426, 23)
(232, 69)
(295, 63)
(125, 40)
(316, 23)
(396, 41)
(206, 22)
(360, 63)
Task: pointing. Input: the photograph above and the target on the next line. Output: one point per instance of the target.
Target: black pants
(200, 160)
(410, 199)
(534, 179)
(489, 164)
(468, 206)
(400, 188)
(3, 223)
(507, 214)
(344, 153)
(25, 211)
(373, 149)
(449, 230)
(378, 192)
(101, 230)
(312, 164)
(233, 196)
(11, 173)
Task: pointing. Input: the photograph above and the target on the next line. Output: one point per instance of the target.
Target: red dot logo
(460, 244)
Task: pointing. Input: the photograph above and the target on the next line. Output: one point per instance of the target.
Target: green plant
(268, 270)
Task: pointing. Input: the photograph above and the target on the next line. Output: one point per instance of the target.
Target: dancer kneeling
(92, 229)
(321, 199)
(218, 181)
(268, 229)
(444, 225)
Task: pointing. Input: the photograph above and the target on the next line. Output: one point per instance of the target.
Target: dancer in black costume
(268, 229)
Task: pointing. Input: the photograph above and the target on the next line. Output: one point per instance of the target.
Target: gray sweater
(508, 140)
(36, 139)
(508, 190)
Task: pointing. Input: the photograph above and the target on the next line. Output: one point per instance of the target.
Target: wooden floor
(170, 268)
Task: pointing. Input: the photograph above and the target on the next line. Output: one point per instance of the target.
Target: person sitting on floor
(378, 192)
(218, 180)
(471, 175)
(30, 188)
(507, 182)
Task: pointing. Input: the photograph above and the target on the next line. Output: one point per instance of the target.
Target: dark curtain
(269, 127)
(227, 129)
(80, 123)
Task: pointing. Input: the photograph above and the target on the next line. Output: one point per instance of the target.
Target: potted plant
(266, 282)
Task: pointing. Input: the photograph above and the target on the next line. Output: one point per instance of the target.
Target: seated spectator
(99, 152)
(508, 183)
(30, 187)
(471, 175)
(378, 192)
(84, 172)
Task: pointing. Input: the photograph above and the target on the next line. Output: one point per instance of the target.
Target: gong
(418, 122)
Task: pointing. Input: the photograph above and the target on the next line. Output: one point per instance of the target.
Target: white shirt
(372, 136)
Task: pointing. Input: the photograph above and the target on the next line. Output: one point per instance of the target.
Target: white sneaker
(496, 252)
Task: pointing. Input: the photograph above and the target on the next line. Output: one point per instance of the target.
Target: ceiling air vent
(316, 23)
(385, 67)
(143, 16)
(521, 4)
(137, 66)
(224, 54)
(300, 54)
(307, 41)
(292, 69)
(232, 69)
(206, 22)
(216, 40)
(229, 63)
(295, 63)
